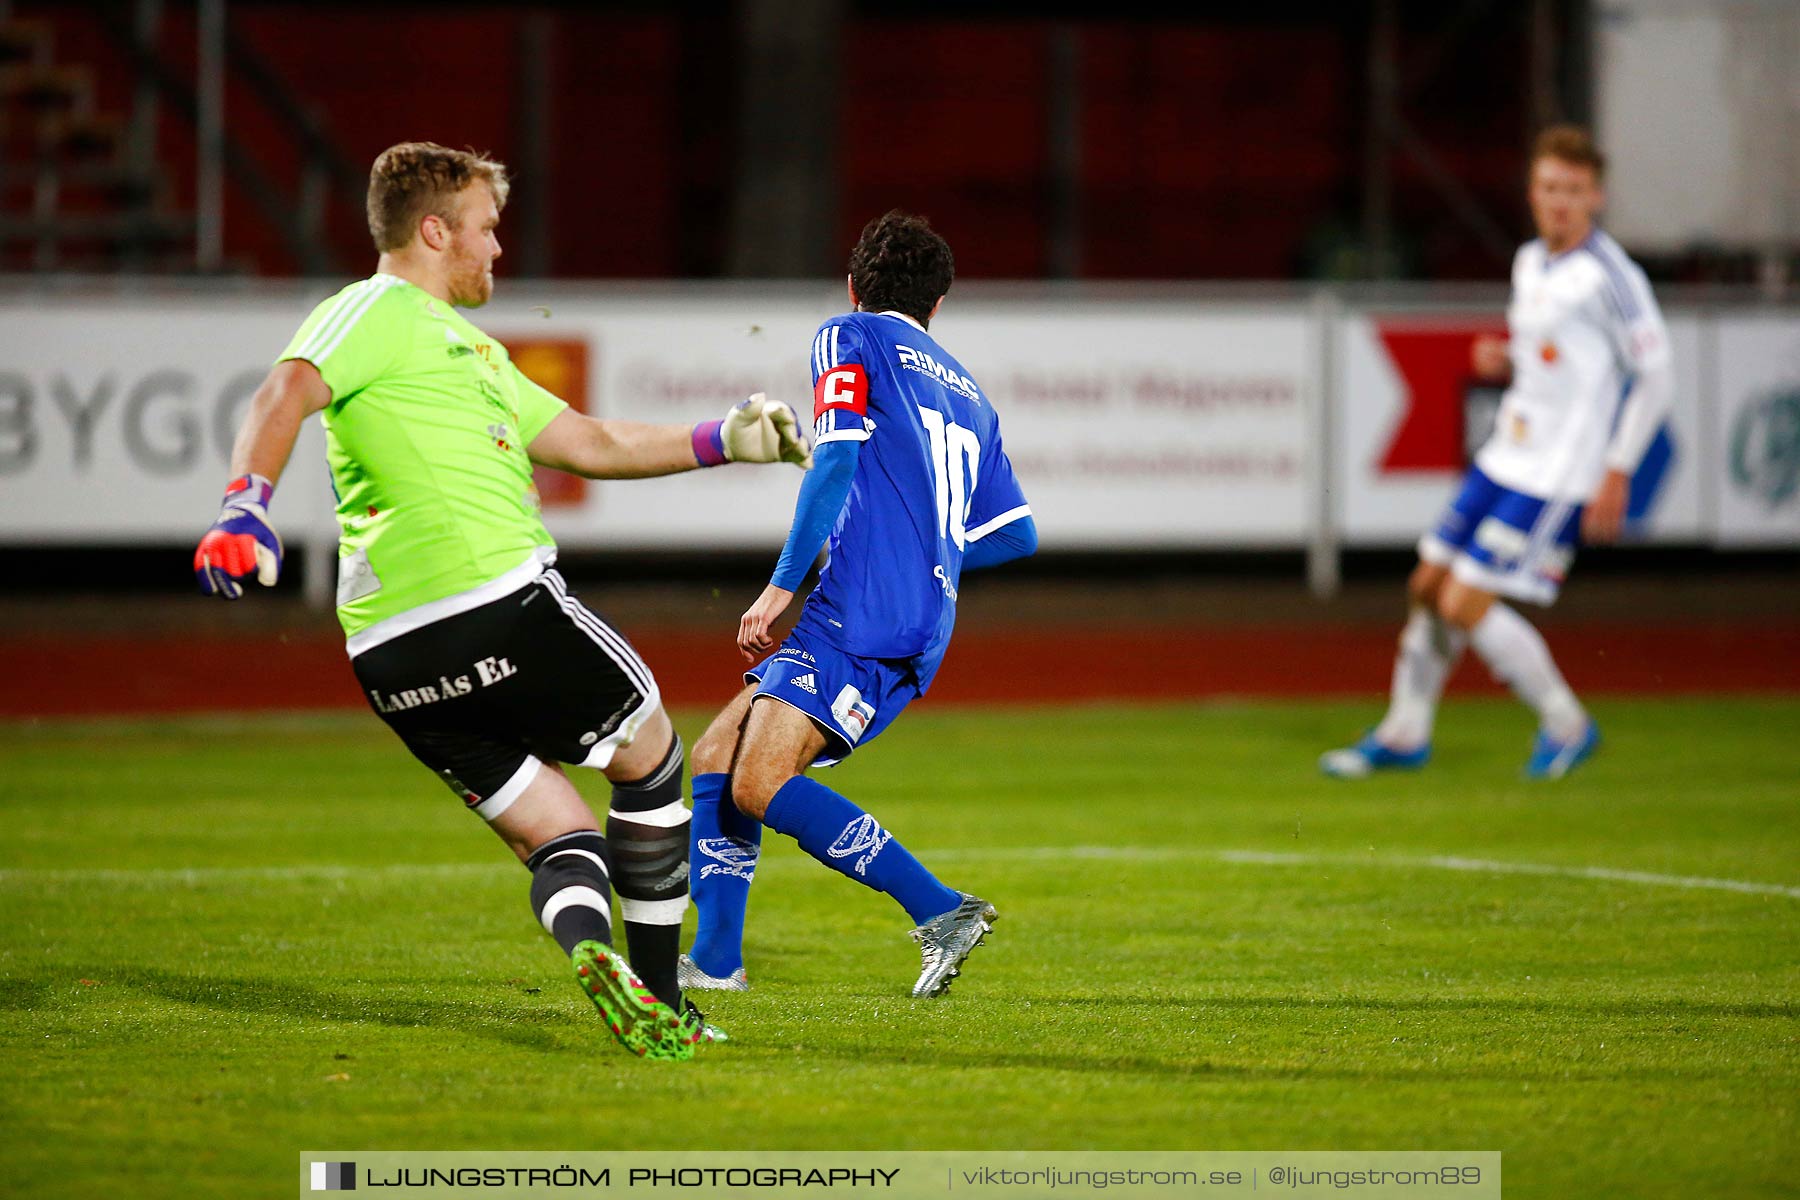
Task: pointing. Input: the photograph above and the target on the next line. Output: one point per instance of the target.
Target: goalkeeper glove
(758, 430)
(241, 542)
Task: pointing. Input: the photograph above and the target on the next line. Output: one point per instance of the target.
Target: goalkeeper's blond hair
(414, 180)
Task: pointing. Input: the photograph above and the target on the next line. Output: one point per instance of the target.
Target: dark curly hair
(901, 264)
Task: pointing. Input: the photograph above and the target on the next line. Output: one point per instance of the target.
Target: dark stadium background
(240, 922)
(1094, 144)
(638, 131)
(1288, 140)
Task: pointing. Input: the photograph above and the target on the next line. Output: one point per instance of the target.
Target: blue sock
(723, 860)
(850, 841)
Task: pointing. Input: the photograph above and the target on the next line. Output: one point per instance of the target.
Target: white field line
(194, 876)
(1405, 862)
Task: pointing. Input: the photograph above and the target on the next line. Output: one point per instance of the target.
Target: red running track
(65, 675)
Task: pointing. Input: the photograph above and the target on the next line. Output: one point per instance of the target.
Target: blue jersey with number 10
(931, 478)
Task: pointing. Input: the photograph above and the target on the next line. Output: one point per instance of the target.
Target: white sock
(1429, 649)
(1516, 654)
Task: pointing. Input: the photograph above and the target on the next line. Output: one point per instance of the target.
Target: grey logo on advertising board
(1765, 447)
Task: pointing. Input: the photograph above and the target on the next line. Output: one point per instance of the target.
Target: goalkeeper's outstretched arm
(293, 391)
(758, 430)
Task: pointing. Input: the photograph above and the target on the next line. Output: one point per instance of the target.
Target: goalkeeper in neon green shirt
(464, 637)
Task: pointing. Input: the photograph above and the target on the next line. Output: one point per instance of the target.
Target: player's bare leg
(725, 846)
(552, 830)
(1462, 605)
(1429, 648)
(777, 745)
(1517, 655)
(718, 745)
(548, 808)
(767, 782)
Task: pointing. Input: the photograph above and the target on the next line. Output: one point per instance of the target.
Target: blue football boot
(1551, 759)
(1369, 756)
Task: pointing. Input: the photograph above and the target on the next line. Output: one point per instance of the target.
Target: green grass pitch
(228, 941)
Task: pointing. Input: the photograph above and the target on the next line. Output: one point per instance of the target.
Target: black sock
(648, 830)
(569, 892)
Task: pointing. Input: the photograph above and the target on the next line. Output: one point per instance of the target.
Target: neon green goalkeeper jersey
(426, 435)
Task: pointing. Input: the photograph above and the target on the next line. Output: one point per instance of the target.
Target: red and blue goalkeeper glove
(241, 542)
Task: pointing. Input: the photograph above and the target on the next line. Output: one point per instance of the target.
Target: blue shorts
(850, 699)
(1505, 542)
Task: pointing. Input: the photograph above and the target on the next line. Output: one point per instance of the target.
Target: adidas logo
(806, 683)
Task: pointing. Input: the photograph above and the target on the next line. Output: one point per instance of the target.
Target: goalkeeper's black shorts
(485, 697)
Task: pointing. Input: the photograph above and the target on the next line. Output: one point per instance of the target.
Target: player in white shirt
(1591, 383)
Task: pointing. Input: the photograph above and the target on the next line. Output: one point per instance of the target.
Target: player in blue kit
(911, 485)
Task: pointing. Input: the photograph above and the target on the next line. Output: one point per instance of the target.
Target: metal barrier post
(209, 189)
(1323, 552)
(318, 579)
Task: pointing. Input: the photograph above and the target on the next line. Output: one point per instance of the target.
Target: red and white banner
(1402, 424)
(1153, 422)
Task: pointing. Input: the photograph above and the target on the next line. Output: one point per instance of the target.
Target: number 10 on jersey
(954, 450)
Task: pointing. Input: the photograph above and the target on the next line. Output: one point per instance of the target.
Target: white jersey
(1584, 325)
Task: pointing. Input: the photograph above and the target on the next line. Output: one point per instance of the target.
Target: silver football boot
(693, 979)
(948, 939)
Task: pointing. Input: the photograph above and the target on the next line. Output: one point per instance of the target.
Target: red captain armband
(845, 388)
